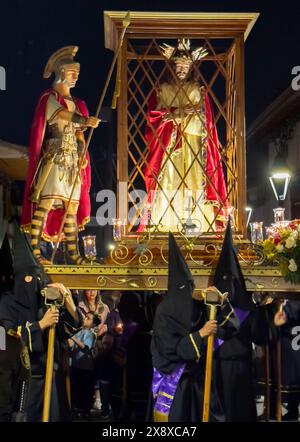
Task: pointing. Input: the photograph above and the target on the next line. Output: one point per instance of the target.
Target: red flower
(276, 239)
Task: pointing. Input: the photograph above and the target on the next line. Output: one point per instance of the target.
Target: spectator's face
(116, 296)
(88, 321)
(91, 295)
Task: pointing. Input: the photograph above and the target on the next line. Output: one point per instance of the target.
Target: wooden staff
(278, 372)
(66, 369)
(213, 300)
(49, 373)
(208, 370)
(126, 23)
(267, 382)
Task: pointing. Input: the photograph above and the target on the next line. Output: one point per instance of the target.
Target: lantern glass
(89, 247)
(257, 231)
(278, 214)
(118, 229)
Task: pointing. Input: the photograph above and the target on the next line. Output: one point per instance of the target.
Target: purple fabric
(165, 383)
(242, 315)
(168, 383)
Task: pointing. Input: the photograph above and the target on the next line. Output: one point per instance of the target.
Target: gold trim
(227, 317)
(162, 393)
(58, 197)
(55, 114)
(195, 346)
(27, 326)
(160, 417)
(13, 333)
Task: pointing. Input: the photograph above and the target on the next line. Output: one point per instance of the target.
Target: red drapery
(158, 134)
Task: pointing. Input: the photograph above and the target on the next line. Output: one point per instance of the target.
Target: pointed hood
(25, 263)
(180, 288)
(6, 268)
(228, 276)
(179, 275)
(24, 260)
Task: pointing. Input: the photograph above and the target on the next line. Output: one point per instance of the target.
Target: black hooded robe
(22, 309)
(235, 381)
(171, 344)
(290, 361)
(25, 311)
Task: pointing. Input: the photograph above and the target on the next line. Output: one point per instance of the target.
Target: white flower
(292, 265)
(290, 242)
(279, 248)
(298, 228)
(294, 234)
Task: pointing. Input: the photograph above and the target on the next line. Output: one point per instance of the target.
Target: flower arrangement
(282, 248)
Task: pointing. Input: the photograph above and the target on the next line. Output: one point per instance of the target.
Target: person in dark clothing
(235, 367)
(111, 364)
(286, 331)
(6, 268)
(24, 309)
(290, 357)
(180, 329)
(138, 369)
(14, 361)
(14, 378)
(234, 357)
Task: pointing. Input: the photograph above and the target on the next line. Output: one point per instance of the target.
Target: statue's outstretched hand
(93, 122)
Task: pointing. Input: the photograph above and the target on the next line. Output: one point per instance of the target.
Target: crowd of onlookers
(98, 353)
(91, 350)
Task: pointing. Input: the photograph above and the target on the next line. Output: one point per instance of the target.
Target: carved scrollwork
(123, 255)
(251, 254)
(135, 283)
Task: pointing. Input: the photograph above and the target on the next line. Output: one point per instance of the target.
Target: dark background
(30, 31)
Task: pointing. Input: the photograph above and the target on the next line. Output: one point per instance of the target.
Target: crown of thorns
(183, 51)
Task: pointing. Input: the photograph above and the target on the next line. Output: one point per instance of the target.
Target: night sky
(31, 31)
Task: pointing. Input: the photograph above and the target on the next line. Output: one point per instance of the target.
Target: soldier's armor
(60, 146)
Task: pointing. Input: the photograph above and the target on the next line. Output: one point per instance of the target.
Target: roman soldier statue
(56, 148)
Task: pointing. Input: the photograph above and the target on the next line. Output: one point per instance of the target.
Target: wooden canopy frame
(139, 75)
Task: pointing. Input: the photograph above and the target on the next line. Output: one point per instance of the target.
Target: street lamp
(280, 177)
(249, 214)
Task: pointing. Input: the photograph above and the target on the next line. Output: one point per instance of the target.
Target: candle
(278, 215)
(117, 229)
(256, 231)
(89, 245)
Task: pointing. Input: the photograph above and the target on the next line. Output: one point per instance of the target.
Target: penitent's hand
(50, 318)
(60, 287)
(210, 328)
(280, 319)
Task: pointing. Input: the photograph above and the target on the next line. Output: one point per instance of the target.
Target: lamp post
(249, 214)
(280, 177)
